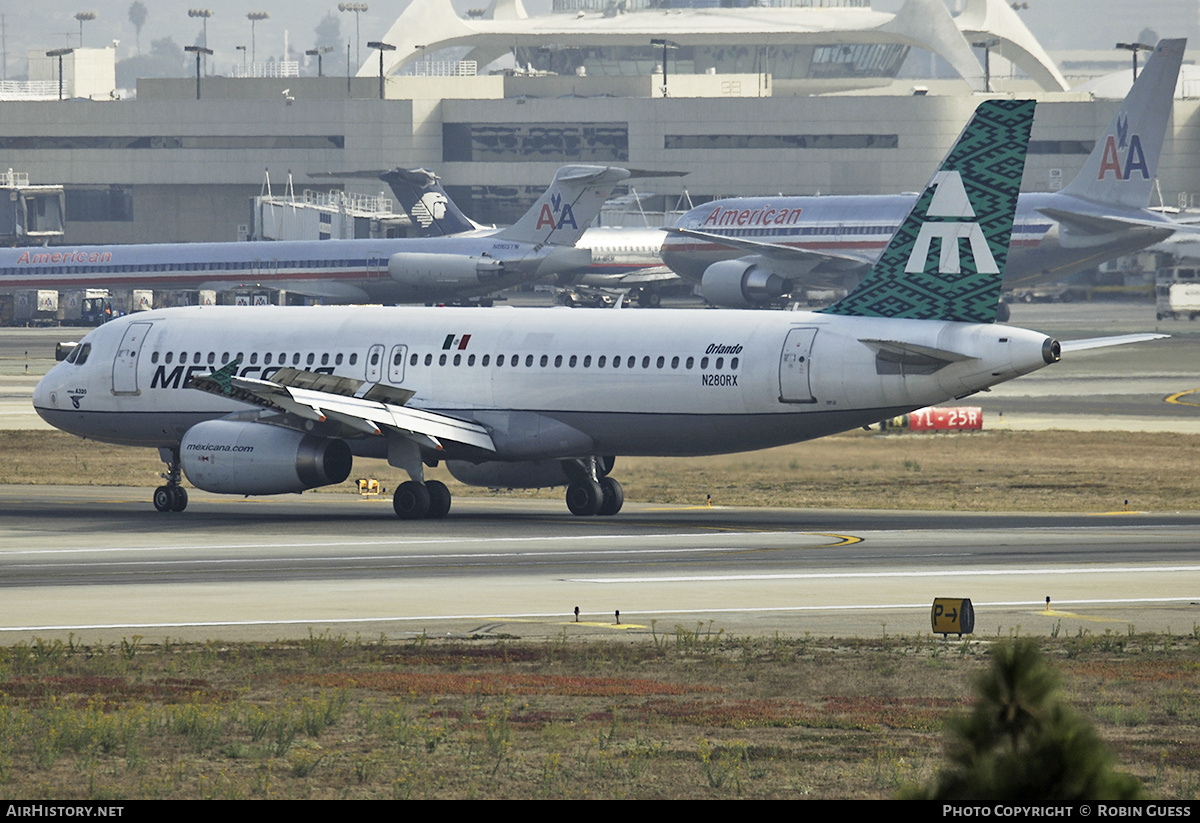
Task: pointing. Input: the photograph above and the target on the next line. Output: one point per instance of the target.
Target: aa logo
(566, 218)
(950, 200)
(1130, 145)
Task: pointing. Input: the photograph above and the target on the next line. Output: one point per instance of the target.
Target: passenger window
(572, 361)
(633, 360)
(675, 362)
(661, 361)
(353, 358)
(325, 359)
(169, 358)
(487, 359)
(442, 360)
(720, 362)
(429, 360)
(253, 358)
(412, 361)
(471, 360)
(529, 361)
(267, 359)
(544, 361)
(337, 361)
(646, 362)
(499, 360)
(212, 358)
(733, 364)
(457, 359)
(587, 361)
(704, 362)
(153, 357)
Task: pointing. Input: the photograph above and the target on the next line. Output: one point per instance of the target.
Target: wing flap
(359, 414)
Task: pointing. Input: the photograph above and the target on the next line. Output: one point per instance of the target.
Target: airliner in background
(621, 258)
(413, 270)
(271, 400)
(749, 251)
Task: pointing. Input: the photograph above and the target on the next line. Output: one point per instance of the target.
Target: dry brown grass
(994, 471)
(693, 714)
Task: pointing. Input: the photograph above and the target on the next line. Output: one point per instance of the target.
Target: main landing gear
(591, 491)
(417, 501)
(171, 497)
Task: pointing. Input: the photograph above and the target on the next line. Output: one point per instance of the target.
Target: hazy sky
(46, 24)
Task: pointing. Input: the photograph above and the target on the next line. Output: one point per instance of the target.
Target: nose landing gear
(171, 497)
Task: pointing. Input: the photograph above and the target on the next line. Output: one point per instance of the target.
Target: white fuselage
(547, 383)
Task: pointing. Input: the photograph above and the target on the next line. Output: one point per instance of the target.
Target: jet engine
(234, 457)
(740, 284)
(426, 269)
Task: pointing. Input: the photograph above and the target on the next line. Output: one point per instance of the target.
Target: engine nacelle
(739, 284)
(426, 269)
(232, 457)
(497, 474)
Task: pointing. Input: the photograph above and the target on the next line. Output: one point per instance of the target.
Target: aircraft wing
(778, 251)
(1107, 224)
(652, 274)
(342, 402)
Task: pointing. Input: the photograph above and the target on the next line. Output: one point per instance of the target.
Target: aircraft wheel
(613, 497)
(604, 464)
(411, 501)
(1003, 313)
(180, 500)
(439, 499)
(654, 300)
(163, 498)
(584, 498)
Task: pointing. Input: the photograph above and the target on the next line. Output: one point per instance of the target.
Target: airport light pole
(83, 16)
(199, 50)
(242, 49)
(379, 44)
(1135, 48)
(666, 44)
(59, 53)
(254, 17)
(318, 51)
(987, 46)
(203, 14)
(357, 8)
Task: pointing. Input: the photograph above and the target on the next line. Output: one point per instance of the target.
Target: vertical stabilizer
(568, 207)
(1120, 170)
(947, 259)
(419, 192)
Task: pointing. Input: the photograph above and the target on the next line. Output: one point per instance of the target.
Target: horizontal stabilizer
(913, 355)
(1104, 342)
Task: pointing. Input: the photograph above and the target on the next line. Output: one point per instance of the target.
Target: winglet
(223, 376)
(947, 259)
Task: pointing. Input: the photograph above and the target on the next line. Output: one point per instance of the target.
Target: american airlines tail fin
(947, 259)
(420, 194)
(1120, 170)
(568, 207)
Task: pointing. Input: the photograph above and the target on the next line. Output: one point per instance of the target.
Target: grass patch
(991, 471)
(444, 718)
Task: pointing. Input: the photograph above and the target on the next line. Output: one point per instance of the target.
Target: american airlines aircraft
(416, 270)
(749, 251)
(621, 258)
(272, 400)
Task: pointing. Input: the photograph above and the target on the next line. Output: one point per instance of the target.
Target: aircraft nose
(47, 393)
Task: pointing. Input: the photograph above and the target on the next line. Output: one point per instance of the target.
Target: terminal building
(802, 98)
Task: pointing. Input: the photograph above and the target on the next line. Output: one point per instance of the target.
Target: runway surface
(101, 564)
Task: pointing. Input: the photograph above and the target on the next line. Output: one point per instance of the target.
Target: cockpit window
(84, 351)
(73, 354)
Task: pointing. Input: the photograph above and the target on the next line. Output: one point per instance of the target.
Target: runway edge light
(952, 615)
